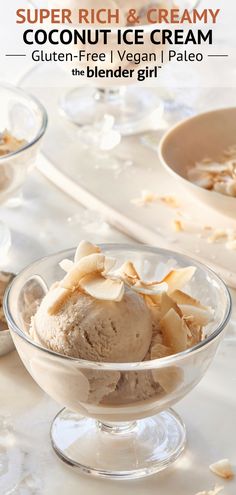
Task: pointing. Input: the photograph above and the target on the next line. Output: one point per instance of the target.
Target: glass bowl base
(118, 450)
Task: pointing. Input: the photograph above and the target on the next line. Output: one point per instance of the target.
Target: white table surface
(47, 221)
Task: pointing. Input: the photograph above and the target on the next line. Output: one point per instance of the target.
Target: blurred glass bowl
(131, 432)
(26, 119)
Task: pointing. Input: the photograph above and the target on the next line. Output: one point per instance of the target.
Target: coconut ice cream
(94, 330)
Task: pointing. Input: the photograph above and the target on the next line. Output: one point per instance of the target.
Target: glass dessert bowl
(117, 422)
(23, 122)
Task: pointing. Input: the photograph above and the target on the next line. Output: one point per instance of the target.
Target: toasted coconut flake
(176, 279)
(55, 299)
(89, 264)
(168, 303)
(169, 378)
(223, 469)
(219, 176)
(220, 187)
(170, 201)
(201, 179)
(102, 288)
(66, 265)
(153, 301)
(174, 331)
(217, 235)
(196, 335)
(130, 270)
(156, 338)
(150, 289)
(205, 182)
(147, 197)
(128, 273)
(214, 491)
(160, 350)
(109, 263)
(212, 167)
(181, 297)
(200, 316)
(85, 248)
(177, 226)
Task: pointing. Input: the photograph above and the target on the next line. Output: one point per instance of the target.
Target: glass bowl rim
(44, 119)
(141, 365)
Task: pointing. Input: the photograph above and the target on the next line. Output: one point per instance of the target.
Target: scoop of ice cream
(133, 386)
(96, 330)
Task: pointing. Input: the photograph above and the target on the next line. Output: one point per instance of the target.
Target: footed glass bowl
(131, 431)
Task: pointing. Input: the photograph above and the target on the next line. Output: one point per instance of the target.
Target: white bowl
(205, 135)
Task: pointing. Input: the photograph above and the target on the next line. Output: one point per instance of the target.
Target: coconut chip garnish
(179, 316)
(223, 469)
(9, 144)
(227, 236)
(148, 197)
(219, 176)
(88, 272)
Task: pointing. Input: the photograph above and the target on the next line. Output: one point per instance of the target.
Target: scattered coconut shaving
(228, 236)
(177, 226)
(170, 201)
(148, 197)
(223, 469)
(217, 235)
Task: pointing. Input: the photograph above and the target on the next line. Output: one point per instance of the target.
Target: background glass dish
(125, 99)
(126, 437)
(25, 118)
